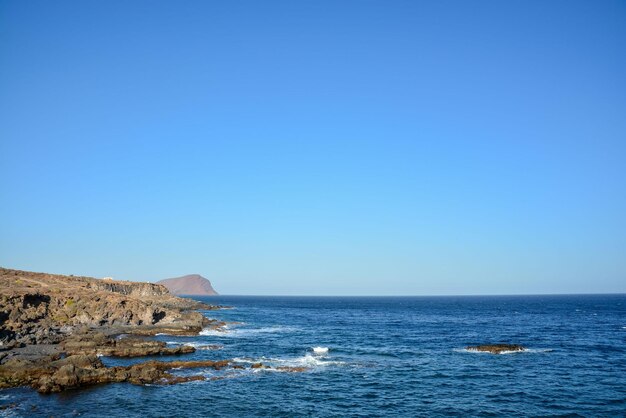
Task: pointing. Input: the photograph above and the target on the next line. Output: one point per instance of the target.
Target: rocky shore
(53, 329)
(39, 308)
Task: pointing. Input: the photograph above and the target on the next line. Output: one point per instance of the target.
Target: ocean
(382, 356)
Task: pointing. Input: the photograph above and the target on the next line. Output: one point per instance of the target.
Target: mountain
(192, 284)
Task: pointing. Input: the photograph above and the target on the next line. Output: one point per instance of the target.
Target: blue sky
(317, 147)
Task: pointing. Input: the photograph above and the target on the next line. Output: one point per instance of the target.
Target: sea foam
(320, 350)
(308, 360)
(227, 332)
(198, 345)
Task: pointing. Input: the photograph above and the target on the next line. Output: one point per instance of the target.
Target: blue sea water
(387, 356)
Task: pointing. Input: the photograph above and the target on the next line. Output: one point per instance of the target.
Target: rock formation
(496, 348)
(39, 308)
(55, 375)
(90, 343)
(192, 284)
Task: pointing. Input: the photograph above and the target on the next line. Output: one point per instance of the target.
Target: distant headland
(191, 284)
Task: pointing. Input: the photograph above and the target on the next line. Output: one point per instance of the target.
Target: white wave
(203, 346)
(247, 360)
(212, 375)
(305, 361)
(215, 331)
(539, 350)
(320, 350)
(310, 361)
(465, 350)
(226, 332)
(198, 345)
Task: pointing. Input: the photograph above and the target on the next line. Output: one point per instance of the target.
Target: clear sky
(317, 147)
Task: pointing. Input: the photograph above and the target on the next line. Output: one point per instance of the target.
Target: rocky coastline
(54, 328)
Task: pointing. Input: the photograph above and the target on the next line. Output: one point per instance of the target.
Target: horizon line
(412, 296)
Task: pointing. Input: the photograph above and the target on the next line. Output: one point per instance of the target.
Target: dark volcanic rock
(48, 376)
(98, 343)
(52, 374)
(496, 348)
(292, 369)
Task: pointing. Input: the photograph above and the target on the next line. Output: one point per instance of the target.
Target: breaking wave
(228, 332)
(320, 350)
(308, 360)
(198, 345)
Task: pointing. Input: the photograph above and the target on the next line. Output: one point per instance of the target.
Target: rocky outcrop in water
(55, 375)
(496, 348)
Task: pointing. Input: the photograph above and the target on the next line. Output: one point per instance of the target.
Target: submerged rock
(295, 369)
(210, 347)
(74, 371)
(53, 374)
(496, 348)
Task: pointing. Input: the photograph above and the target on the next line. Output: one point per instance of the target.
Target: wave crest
(307, 360)
(227, 332)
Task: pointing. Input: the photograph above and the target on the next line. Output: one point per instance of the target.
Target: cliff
(40, 308)
(192, 284)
